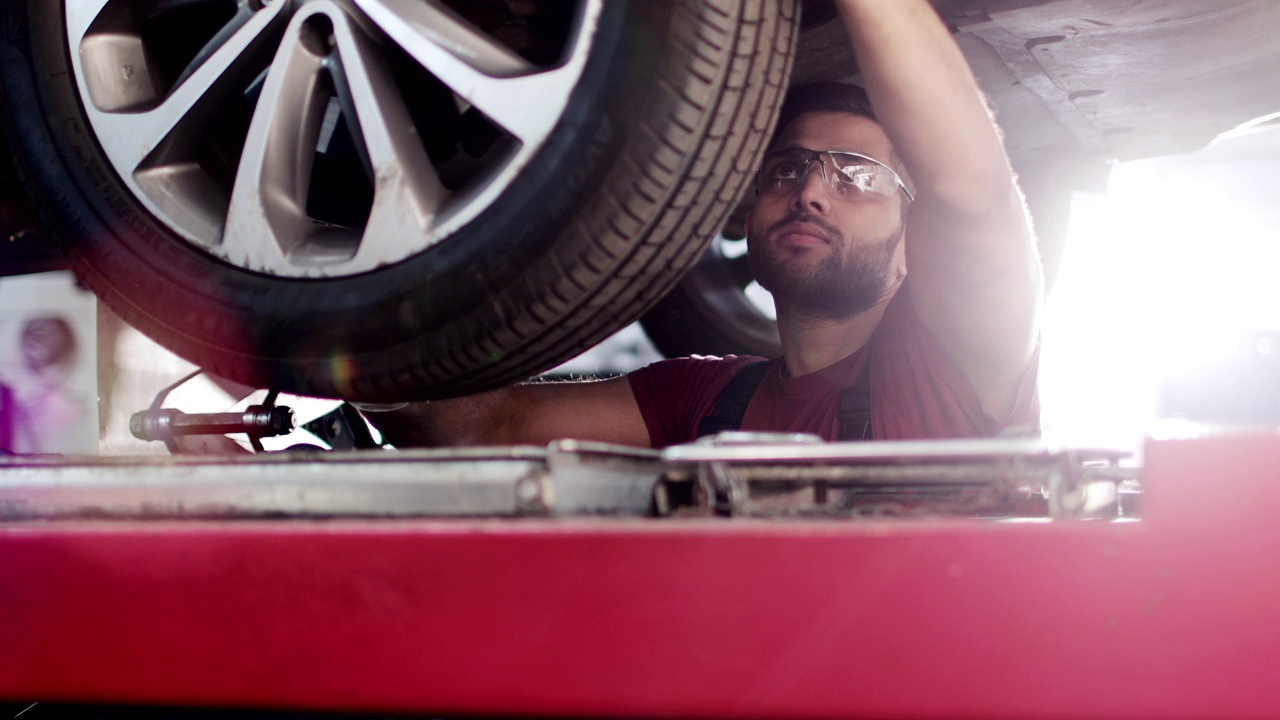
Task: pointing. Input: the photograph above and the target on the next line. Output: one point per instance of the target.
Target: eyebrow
(837, 150)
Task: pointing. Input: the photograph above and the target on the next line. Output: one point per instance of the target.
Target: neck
(812, 342)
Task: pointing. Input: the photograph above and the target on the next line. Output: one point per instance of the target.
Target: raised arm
(526, 414)
(975, 274)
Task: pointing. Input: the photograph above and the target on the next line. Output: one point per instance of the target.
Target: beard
(842, 284)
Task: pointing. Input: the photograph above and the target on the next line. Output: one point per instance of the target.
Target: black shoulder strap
(731, 406)
(853, 407)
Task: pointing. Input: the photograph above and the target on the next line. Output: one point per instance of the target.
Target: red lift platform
(323, 585)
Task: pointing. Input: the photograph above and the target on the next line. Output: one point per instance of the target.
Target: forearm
(527, 414)
(459, 422)
(928, 101)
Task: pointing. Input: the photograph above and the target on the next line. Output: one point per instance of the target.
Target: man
(951, 353)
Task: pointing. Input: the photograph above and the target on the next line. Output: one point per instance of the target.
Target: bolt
(528, 491)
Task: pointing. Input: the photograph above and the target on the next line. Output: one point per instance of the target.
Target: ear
(748, 221)
(900, 257)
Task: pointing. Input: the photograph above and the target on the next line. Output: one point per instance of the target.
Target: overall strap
(731, 406)
(853, 407)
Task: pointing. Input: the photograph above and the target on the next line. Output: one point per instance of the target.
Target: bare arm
(976, 279)
(526, 414)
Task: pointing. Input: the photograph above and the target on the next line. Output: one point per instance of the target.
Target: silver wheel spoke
(489, 77)
(80, 15)
(407, 191)
(131, 137)
(268, 216)
(435, 25)
(270, 193)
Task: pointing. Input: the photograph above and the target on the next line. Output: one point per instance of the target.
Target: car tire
(649, 151)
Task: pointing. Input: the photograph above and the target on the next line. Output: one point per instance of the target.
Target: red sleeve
(921, 394)
(674, 395)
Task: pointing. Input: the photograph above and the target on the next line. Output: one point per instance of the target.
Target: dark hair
(831, 97)
(822, 97)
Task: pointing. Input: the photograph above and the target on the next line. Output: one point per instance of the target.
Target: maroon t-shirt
(916, 391)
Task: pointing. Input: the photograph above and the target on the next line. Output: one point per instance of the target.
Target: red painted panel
(1173, 616)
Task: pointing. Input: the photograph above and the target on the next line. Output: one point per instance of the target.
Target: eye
(783, 170)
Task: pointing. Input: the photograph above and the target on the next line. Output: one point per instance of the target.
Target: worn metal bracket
(564, 478)
(785, 476)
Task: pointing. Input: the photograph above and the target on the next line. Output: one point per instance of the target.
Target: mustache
(832, 231)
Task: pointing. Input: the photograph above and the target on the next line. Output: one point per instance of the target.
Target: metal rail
(736, 474)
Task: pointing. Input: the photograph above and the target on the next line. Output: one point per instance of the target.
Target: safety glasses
(848, 174)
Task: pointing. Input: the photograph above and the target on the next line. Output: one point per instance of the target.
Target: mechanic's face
(821, 252)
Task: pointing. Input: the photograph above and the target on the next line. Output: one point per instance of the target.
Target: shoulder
(674, 395)
(921, 392)
(702, 363)
(692, 371)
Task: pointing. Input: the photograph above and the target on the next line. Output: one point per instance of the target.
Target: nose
(811, 193)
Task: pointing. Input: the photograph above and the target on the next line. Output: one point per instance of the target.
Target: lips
(802, 233)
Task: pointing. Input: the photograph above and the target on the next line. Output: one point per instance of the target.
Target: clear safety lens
(847, 173)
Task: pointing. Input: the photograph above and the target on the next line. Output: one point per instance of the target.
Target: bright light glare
(762, 299)
(1162, 273)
